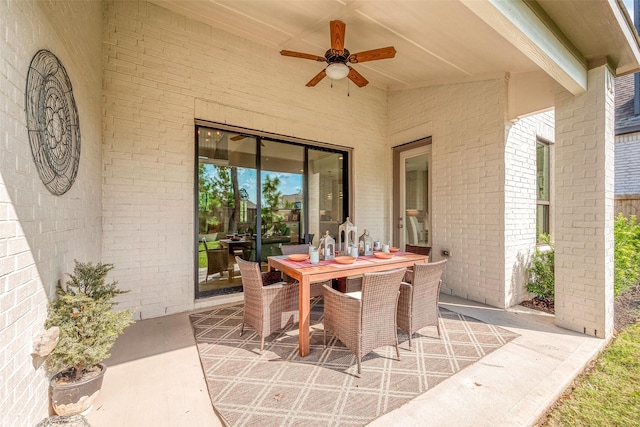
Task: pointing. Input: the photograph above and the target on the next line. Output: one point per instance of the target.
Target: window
(256, 193)
(543, 185)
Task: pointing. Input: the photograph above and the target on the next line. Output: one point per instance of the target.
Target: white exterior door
(414, 199)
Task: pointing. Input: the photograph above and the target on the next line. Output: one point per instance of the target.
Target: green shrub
(541, 272)
(88, 325)
(626, 253)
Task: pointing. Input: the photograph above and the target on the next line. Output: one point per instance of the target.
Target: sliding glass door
(227, 209)
(326, 193)
(255, 194)
(281, 183)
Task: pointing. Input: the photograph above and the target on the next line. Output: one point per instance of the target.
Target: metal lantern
(327, 247)
(365, 244)
(350, 233)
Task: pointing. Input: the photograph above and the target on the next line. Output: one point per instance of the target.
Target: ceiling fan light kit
(337, 58)
(337, 71)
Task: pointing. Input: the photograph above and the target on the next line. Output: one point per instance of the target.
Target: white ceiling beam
(523, 28)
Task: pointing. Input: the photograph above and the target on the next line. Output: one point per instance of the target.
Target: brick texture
(483, 172)
(142, 75)
(520, 200)
(584, 207)
(41, 234)
(161, 72)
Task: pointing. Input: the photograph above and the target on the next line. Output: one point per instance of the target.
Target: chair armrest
(278, 285)
(408, 276)
(404, 287)
(280, 290)
(344, 300)
(404, 299)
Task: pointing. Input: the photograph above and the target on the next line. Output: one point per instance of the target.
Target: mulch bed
(540, 304)
(627, 308)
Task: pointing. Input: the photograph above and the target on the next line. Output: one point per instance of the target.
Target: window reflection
(256, 194)
(227, 209)
(326, 201)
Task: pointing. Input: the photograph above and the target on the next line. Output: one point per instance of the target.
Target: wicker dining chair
(364, 321)
(418, 302)
(217, 260)
(416, 249)
(315, 287)
(267, 306)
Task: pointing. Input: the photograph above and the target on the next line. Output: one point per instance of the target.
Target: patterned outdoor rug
(280, 388)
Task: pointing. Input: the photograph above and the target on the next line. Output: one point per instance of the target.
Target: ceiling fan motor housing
(334, 56)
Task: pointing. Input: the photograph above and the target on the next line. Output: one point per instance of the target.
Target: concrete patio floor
(155, 377)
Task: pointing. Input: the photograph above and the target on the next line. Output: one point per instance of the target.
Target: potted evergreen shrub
(83, 310)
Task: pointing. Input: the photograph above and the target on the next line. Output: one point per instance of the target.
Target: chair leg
(242, 329)
(398, 350)
(358, 365)
(438, 329)
(261, 344)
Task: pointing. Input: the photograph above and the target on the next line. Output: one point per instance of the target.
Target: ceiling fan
(337, 58)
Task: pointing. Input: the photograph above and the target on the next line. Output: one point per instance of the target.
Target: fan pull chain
(348, 87)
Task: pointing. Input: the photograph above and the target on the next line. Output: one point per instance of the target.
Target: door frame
(397, 214)
(348, 179)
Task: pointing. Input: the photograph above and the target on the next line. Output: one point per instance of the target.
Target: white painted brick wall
(162, 71)
(584, 207)
(467, 123)
(41, 234)
(520, 199)
(483, 173)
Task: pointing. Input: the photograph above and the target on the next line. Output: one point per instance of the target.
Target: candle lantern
(327, 247)
(347, 236)
(365, 244)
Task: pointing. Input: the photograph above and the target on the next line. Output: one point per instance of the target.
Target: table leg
(305, 308)
(230, 268)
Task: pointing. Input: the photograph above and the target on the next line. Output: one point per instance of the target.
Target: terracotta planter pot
(77, 397)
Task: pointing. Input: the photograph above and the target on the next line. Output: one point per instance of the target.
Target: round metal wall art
(52, 122)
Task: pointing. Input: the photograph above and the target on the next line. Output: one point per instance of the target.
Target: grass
(609, 393)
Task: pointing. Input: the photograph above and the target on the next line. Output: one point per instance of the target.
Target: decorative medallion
(52, 122)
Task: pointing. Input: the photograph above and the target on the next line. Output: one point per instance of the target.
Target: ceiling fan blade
(314, 81)
(303, 55)
(357, 78)
(373, 55)
(337, 29)
(237, 137)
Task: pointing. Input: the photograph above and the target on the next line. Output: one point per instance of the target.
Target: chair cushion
(355, 295)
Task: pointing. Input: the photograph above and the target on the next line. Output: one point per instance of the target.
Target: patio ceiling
(437, 42)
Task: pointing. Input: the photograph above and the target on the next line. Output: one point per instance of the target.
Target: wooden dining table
(235, 247)
(305, 273)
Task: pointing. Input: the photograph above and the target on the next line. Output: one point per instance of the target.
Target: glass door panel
(326, 193)
(414, 197)
(227, 209)
(282, 208)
